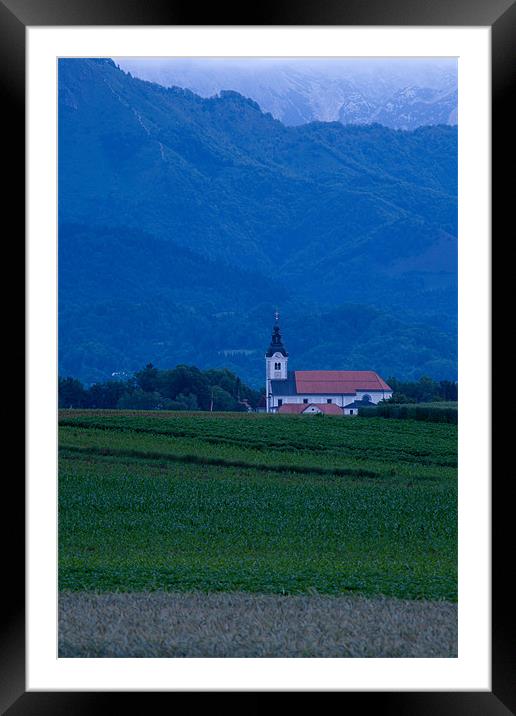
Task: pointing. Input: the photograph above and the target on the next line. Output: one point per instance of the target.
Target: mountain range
(398, 93)
(185, 221)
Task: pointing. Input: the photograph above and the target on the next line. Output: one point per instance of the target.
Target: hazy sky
(423, 70)
(328, 65)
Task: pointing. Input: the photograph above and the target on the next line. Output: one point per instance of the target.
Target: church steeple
(276, 363)
(276, 345)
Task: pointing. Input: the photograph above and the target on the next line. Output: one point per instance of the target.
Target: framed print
(180, 165)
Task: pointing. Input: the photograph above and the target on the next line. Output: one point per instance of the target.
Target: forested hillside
(183, 222)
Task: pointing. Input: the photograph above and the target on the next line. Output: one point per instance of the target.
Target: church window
(277, 366)
(305, 400)
(280, 402)
(351, 412)
(328, 400)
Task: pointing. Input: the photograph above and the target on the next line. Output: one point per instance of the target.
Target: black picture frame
(500, 16)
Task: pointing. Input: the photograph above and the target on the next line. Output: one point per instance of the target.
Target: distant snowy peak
(356, 109)
(412, 107)
(407, 108)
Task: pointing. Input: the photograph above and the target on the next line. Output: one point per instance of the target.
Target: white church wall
(340, 400)
(337, 399)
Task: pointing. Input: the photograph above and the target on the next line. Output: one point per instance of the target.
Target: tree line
(425, 390)
(181, 388)
(189, 388)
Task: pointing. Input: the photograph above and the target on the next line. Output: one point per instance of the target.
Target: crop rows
(162, 502)
(368, 438)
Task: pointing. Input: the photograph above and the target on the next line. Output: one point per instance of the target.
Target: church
(305, 392)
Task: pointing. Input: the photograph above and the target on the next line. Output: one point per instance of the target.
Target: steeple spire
(276, 345)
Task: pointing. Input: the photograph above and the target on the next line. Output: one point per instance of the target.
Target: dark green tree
(449, 390)
(72, 393)
(148, 378)
(140, 400)
(185, 380)
(222, 400)
(106, 395)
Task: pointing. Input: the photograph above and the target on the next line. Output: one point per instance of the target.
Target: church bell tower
(276, 361)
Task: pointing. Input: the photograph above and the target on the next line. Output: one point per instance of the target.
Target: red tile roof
(291, 408)
(338, 381)
(298, 408)
(328, 408)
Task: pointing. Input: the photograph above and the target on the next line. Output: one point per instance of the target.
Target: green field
(255, 503)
